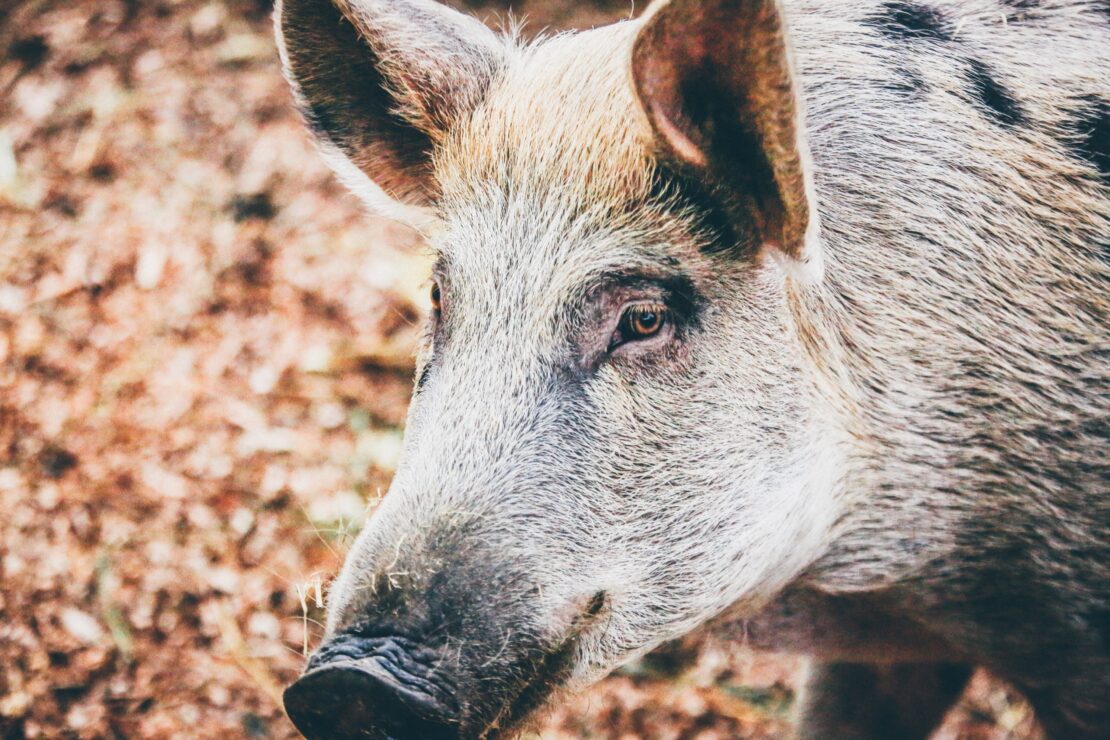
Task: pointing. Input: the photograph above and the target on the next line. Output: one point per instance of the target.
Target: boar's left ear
(380, 83)
(715, 80)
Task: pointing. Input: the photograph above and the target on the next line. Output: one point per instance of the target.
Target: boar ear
(714, 78)
(380, 82)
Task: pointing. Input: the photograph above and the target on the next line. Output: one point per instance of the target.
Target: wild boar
(779, 321)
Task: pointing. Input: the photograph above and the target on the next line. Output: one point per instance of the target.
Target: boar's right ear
(715, 79)
(380, 82)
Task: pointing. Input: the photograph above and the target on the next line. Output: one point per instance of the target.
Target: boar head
(613, 438)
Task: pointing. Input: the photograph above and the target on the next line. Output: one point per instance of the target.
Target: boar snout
(382, 687)
(445, 678)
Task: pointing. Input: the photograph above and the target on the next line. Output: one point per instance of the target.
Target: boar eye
(641, 321)
(436, 298)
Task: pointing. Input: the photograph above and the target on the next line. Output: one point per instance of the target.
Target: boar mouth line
(548, 673)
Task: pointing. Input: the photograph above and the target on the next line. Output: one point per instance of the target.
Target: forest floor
(205, 361)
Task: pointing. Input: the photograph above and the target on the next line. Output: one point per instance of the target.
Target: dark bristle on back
(1092, 135)
(992, 96)
(899, 20)
(1017, 11)
(907, 83)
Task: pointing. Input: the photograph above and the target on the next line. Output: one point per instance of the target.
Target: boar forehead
(561, 119)
(558, 139)
(550, 189)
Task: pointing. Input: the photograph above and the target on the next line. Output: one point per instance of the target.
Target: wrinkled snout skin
(782, 321)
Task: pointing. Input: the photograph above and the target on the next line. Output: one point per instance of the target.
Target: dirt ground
(204, 368)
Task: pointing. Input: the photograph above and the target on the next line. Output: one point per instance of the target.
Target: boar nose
(347, 693)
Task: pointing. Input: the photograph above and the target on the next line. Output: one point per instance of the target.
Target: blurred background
(205, 359)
